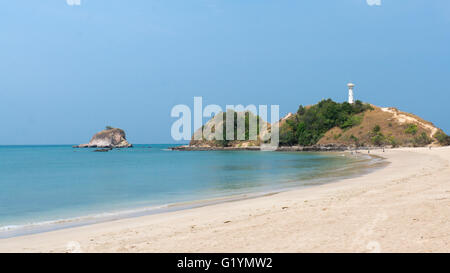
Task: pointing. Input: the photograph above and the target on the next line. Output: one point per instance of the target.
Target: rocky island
(108, 138)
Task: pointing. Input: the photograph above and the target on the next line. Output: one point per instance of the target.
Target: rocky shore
(316, 148)
(204, 148)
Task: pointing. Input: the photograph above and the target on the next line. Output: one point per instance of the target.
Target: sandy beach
(404, 207)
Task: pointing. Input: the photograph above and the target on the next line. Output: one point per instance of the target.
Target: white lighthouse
(351, 99)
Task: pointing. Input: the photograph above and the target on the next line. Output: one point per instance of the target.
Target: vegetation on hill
(411, 129)
(310, 124)
(379, 139)
(340, 124)
(386, 127)
(225, 142)
(443, 139)
(209, 138)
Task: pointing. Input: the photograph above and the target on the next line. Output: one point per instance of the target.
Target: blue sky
(69, 70)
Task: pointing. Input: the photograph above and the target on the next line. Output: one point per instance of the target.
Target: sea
(45, 188)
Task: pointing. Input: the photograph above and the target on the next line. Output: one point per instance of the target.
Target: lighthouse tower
(351, 99)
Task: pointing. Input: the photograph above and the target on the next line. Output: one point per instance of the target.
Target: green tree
(376, 129)
(442, 138)
(224, 142)
(378, 139)
(411, 129)
(310, 123)
(422, 140)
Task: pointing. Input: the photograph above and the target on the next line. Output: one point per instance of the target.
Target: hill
(359, 124)
(205, 136)
(329, 123)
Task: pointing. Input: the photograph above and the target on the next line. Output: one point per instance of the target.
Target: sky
(68, 68)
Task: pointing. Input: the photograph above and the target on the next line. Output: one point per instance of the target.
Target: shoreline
(314, 148)
(404, 207)
(357, 168)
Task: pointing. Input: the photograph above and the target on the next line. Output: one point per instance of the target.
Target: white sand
(404, 207)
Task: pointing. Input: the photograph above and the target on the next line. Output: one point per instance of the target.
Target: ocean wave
(105, 216)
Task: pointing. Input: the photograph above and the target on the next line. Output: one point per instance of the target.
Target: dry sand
(404, 207)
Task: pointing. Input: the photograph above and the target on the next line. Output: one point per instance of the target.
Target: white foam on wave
(82, 219)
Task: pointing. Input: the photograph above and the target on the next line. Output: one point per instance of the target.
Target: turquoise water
(50, 183)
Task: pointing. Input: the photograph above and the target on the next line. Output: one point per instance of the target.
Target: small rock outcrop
(109, 138)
